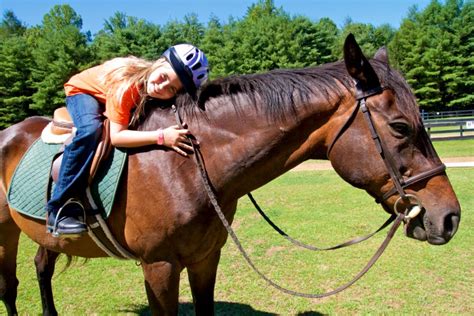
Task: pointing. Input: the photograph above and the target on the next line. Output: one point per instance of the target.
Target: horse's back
(14, 141)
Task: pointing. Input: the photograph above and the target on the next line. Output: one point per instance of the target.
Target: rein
(296, 242)
(399, 182)
(399, 185)
(213, 199)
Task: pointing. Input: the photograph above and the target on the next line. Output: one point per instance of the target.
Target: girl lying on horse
(115, 89)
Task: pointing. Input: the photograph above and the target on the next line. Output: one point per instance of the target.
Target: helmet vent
(196, 66)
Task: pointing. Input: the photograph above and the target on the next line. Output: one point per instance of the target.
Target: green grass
(455, 148)
(318, 207)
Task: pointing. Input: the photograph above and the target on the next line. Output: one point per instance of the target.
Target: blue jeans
(86, 113)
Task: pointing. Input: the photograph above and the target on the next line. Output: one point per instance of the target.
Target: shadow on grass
(222, 308)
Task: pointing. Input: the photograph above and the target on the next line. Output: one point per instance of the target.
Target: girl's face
(163, 83)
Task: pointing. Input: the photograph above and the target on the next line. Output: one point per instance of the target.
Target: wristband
(161, 137)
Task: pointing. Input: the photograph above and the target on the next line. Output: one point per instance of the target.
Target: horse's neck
(248, 150)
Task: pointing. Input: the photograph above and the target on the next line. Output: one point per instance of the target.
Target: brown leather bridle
(400, 183)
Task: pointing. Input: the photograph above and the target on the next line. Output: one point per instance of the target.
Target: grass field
(317, 207)
(455, 148)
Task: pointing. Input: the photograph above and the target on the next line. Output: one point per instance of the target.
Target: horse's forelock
(405, 99)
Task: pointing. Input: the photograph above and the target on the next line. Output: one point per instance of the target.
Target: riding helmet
(190, 64)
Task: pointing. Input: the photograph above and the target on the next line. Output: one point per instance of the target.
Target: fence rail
(450, 129)
(446, 114)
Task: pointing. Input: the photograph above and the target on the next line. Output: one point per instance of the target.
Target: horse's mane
(281, 91)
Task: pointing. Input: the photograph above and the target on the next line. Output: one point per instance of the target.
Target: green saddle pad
(27, 191)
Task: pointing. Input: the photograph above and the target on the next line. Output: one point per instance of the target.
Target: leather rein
(397, 218)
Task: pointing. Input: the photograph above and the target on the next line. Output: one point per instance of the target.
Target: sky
(95, 12)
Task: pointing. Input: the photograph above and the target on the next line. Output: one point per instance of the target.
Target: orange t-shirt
(89, 82)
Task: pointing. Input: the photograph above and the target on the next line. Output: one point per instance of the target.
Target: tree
(212, 43)
(15, 62)
(263, 39)
(369, 37)
(312, 42)
(175, 32)
(123, 35)
(59, 50)
(461, 87)
(11, 25)
(434, 49)
(268, 38)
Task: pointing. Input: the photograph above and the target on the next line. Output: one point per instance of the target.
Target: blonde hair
(124, 72)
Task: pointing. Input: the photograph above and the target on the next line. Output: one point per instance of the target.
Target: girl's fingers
(180, 151)
(186, 146)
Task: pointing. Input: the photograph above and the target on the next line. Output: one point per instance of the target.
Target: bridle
(400, 183)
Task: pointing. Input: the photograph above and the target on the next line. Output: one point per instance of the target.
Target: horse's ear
(382, 55)
(358, 66)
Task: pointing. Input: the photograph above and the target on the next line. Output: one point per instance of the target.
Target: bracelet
(161, 137)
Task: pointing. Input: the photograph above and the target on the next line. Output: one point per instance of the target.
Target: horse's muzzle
(437, 232)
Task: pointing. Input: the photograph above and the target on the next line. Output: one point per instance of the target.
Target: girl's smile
(163, 83)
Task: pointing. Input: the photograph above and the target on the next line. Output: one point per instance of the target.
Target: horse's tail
(69, 261)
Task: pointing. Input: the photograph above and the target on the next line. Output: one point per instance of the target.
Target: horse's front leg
(162, 286)
(45, 261)
(202, 279)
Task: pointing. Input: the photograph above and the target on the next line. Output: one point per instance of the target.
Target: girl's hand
(175, 138)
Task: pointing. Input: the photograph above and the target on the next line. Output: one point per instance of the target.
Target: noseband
(400, 183)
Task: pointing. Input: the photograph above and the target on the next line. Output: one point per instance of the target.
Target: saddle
(62, 129)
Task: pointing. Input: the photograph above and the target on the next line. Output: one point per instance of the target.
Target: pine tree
(15, 62)
(212, 43)
(434, 49)
(123, 35)
(175, 32)
(60, 50)
(369, 37)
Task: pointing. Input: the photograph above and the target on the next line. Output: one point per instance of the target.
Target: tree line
(433, 48)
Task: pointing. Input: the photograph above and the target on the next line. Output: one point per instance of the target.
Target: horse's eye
(400, 128)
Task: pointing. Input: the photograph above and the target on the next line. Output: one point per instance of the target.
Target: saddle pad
(27, 191)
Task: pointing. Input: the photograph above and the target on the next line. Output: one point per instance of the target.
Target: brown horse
(252, 129)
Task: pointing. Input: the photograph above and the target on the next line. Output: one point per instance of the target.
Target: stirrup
(54, 229)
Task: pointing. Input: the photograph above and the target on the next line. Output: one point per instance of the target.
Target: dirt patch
(313, 165)
(326, 165)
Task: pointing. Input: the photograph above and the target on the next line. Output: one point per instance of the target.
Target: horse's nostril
(451, 223)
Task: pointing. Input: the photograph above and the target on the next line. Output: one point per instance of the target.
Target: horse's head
(383, 148)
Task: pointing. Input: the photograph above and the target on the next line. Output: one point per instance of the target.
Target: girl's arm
(174, 137)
